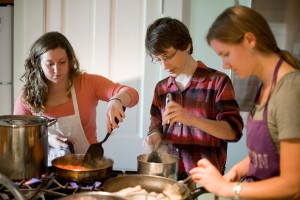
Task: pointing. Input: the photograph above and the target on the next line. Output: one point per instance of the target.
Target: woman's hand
(114, 114)
(238, 171)
(232, 175)
(208, 176)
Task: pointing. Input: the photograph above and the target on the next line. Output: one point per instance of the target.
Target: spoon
(71, 147)
(95, 152)
(177, 187)
(154, 155)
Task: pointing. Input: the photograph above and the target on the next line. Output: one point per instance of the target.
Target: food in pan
(138, 191)
(74, 163)
(73, 167)
(83, 198)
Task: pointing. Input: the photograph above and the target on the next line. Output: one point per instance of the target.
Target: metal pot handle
(197, 192)
(51, 122)
(8, 184)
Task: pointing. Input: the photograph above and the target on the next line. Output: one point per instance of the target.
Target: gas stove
(50, 186)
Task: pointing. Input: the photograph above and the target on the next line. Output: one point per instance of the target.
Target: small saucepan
(167, 168)
(70, 167)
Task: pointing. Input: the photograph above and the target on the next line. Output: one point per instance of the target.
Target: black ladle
(95, 152)
(154, 155)
(71, 147)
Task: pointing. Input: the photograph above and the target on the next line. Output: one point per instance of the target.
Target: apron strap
(74, 99)
(273, 80)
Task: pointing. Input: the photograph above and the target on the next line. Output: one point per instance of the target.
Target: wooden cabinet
(5, 2)
(284, 19)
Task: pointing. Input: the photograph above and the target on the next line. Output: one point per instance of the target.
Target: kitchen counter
(210, 196)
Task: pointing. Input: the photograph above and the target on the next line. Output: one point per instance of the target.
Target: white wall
(202, 15)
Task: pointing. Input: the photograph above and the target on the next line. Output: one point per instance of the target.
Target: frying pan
(150, 183)
(62, 167)
(92, 196)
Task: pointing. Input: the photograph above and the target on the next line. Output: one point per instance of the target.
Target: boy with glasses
(203, 114)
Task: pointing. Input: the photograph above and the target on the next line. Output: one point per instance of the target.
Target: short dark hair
(167, 32)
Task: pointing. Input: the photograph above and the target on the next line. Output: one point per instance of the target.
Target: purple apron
(264, 159)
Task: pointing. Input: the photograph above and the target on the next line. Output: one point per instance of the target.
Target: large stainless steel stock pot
(24, 146)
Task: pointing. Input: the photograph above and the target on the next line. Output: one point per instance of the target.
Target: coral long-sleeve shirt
(89, 88)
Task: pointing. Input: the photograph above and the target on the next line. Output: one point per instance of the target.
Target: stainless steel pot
(168, 168)
(24, 146)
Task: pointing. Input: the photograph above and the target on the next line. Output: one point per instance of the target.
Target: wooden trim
(6, 2)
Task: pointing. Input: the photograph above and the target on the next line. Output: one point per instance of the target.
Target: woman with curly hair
(55, 87)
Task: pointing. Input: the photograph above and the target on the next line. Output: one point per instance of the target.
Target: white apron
(69, 127)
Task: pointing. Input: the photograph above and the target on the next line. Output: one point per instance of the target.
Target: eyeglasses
(164, 58)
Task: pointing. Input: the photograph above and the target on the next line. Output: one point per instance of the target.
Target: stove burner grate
(51, 186)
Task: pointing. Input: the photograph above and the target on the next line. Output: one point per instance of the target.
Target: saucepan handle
(51, 122)
(197, 192)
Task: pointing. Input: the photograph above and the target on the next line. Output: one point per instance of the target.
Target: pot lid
(22, 120)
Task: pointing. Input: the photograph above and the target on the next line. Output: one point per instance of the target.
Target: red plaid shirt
(209, 94)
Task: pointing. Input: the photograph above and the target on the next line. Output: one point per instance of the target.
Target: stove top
(51, 186)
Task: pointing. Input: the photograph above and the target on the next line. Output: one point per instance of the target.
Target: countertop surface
(210, 196)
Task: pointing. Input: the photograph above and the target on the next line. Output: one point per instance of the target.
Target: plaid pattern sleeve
(209, 94)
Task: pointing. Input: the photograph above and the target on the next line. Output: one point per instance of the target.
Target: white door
(6, 99)
(6, 67)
